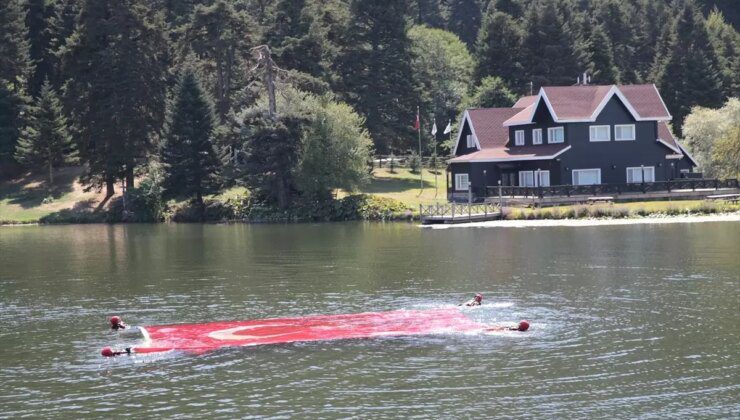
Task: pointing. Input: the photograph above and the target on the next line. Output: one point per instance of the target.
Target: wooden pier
(458, 213)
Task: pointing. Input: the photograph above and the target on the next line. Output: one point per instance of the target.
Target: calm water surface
(627, 321)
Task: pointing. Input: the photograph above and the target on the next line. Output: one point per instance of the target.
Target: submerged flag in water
(449, 127)
(434, 128)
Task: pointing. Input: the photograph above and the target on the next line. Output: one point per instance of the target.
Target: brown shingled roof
(502, 153)
(488, 124)
(582, 102)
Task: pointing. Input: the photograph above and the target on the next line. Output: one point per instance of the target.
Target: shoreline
(731, 217)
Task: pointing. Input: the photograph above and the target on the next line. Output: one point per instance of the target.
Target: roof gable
(487, 126)
(585, 103)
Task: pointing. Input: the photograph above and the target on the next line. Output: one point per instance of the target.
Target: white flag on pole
(449, 127)
(434, 128)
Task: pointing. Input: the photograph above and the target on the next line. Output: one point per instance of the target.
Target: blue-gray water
(627, 321)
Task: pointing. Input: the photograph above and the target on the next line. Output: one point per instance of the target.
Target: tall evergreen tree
(188, 153)
(726, 42)
(687, 71)
(117, 94)
(499, 47)
(220, 36)
(512, 8)
(465, 19)
(15, 67)
(46, 142)
(597, 58)
(375, 71)
(427, 12)
(38, 18)
(616, 18)
(550, 56)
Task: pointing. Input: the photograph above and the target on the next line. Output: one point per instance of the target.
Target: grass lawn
(642, 207)
(404, 186)
(29, 198)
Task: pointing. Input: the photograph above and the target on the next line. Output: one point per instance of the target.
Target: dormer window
(537, 136)
(469, 141)
(555, 135)
(519, 138)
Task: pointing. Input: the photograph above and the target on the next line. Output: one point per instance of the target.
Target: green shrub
(581, 212)
(640, 211)
(414, 163)
(569, 213)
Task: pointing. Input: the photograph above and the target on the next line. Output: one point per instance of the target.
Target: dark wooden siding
(462, 148)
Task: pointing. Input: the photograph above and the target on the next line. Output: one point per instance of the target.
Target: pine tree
(375, 71)
(427, 12)
(597, 58)
(46, 142)
(616, 18)
(465, 19)
(221, 37)
(15, 67)
(117, 94)
(726, 42)
(40, 15)
(272, 150)
(550, 56)
(188, 152)
(687, 71)
(512, 8)
(498, 48)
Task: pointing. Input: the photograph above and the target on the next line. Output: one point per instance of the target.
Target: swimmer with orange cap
(477, 300)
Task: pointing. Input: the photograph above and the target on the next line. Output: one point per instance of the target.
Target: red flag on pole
(417, 124)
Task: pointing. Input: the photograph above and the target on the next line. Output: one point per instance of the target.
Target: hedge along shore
(654, 219)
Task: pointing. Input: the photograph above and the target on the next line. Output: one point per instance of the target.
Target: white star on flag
(449, 127)
(434, 128)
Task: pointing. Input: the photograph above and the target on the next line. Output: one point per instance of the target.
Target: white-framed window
(555, 135)
(543, 178)
(537, 136)
(469, 141)
(600, 133)
(519, 138)
(534, 178)
(586, 176)
(639, 174)
(461, 182)
(526, 179)
(624, 132)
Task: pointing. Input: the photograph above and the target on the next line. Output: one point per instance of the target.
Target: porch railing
(612, 189)
(458, 210)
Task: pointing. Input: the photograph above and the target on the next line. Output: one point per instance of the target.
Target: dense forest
(291, 97)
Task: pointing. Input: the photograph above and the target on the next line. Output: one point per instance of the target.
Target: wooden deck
(458, 213)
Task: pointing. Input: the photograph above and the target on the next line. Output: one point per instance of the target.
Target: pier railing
(612, 189)
(458, 211)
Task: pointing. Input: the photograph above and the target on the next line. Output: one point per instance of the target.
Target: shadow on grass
(32, 189)
(395, 185)
(82, 212)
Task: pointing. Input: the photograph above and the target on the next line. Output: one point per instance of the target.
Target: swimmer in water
(117, 324)
(108, 352)
(522, 326)
(475, 301)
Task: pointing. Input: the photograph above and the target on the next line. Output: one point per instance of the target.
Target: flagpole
(421, 161)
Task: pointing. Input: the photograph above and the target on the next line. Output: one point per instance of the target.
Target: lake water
(627, 321)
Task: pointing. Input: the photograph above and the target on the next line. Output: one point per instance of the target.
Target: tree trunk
(110, 188)
(129, 177)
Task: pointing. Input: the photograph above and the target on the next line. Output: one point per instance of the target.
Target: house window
(526, 179)
(469, 142)
(519, 137)
(537, 136)
(555, 135)
(624, 132)
(461, 182)
(543, 178)
(534, 178)
(586, 176)
(600, 133)
(640, 174)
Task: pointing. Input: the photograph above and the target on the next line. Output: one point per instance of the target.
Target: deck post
(453, 210)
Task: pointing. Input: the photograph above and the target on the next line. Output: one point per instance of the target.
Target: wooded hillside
(178, 84)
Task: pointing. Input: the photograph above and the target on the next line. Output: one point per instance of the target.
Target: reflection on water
(627, 321)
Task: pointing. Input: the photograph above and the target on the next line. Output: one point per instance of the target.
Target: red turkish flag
(417, 124)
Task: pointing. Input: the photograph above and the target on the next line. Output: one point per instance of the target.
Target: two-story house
(580, 135)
